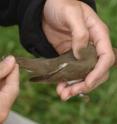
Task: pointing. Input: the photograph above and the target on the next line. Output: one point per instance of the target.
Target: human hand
(9, 85)
(72, 25)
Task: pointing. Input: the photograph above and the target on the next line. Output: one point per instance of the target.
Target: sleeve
(28, 15)
(8, 12)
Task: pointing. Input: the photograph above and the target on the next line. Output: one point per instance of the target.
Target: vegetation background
(40, 102)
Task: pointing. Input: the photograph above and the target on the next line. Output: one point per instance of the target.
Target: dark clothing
(27, 14)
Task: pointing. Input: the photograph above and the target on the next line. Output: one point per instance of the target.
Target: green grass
(41, 103)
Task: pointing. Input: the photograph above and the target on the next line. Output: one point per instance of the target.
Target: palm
(57, 33)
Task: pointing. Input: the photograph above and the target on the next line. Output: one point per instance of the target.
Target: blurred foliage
(40, 102)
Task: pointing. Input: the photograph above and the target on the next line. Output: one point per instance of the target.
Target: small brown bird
(62, 68)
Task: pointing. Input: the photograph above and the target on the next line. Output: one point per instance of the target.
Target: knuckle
(105, 27)
(88, 87)
(112, 58)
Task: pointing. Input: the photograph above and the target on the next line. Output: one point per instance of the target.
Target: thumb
(76, 23)
(79, 40)
(6, 66)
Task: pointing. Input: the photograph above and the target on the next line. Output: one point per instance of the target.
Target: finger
(63, 91)
(63, 47)
(83, 87)
(6, 66)
(66, 93)
(100, 37)
(12, 81)
(80, 35)
(99, 81)
(10, 90)
(11, 85)
(60, 87)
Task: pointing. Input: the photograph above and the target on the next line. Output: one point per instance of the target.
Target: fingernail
(9, 59)
(67, 98)
(77, 56)
(81, 95)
